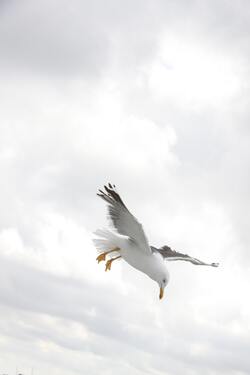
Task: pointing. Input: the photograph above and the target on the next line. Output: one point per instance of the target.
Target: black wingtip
(107, 189)
(102, 192)
(110, 191)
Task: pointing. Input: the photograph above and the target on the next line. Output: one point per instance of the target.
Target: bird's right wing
(123, 221)
(171, 255)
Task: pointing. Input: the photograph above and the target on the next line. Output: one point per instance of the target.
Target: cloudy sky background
(154, 97)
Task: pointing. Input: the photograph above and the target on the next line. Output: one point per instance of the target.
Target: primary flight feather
(128, 241)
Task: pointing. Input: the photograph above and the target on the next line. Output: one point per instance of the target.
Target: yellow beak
(161, 293)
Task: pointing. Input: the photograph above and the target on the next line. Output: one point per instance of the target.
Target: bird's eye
(164, 280)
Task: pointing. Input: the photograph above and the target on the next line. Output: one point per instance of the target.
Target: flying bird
(128, 241)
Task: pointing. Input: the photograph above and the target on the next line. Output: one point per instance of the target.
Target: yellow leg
(102, 256)
(109, 262)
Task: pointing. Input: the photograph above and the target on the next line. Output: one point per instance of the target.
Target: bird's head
(163, 282)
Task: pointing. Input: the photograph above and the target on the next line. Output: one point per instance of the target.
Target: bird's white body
(152, 264)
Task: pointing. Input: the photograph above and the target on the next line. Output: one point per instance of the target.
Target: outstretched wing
(171, 255)
(124, 222)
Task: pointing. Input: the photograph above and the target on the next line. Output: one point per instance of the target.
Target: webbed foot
(101, 257)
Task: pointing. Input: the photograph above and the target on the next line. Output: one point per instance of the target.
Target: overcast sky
(152, 96)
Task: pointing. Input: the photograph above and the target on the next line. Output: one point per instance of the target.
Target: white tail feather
(108, 240)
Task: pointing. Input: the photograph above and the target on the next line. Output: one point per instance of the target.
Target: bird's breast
(147, 263)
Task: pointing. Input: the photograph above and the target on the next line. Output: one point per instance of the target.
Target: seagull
(127, 240)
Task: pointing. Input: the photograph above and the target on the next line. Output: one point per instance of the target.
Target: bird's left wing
(124, 222)
(171, 255)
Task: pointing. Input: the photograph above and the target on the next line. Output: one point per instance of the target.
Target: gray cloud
(34, 295)
(76, 38)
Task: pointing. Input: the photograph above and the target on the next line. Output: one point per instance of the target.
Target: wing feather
(122, 219)
(171, 255)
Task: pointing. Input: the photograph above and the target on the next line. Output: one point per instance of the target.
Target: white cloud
(195, 75)
(162, 116)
